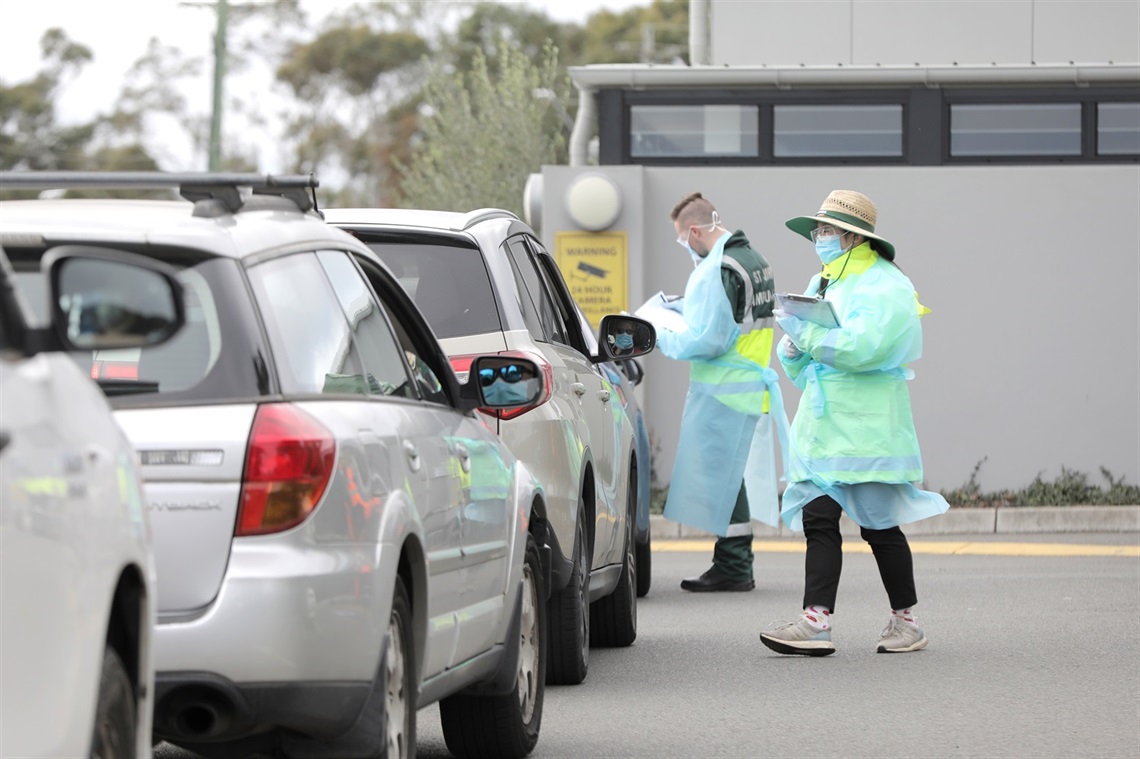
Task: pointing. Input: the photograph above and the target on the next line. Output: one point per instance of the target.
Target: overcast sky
(117, 32)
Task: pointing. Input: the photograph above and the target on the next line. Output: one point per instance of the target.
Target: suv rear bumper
(289, 619)
(199, 708)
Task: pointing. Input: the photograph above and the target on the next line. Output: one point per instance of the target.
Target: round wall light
(593, 202)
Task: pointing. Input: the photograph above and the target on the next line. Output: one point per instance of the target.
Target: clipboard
(809, 308)
(663, 312)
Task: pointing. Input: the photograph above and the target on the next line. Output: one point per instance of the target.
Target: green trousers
(732, 554)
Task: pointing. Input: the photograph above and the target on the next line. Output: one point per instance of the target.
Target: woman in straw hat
(853, 444)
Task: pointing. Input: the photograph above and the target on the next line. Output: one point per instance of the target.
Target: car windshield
(449, 283)
(198, 363)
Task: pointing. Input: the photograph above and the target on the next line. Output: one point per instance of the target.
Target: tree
(483, 134)
(354, 84)
(656, 33)
(30, 137)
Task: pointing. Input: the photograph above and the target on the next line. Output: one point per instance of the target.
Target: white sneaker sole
(798, 647)
(918, 645)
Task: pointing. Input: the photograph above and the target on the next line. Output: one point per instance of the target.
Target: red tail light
(288, 465)
(124, 370)
(462, 367)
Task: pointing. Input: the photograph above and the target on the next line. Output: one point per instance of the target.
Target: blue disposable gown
(720, 444)
(853, 436)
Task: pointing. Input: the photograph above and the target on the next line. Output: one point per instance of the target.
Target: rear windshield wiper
(114, 387)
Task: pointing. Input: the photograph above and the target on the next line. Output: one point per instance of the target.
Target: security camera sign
(595, 266)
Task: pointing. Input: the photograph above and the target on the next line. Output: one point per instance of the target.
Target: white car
(77, 583)
(486, 284)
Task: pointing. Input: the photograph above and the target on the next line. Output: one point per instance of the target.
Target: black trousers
(824, 560)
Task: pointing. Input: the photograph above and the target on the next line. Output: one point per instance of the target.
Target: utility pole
(222, 11)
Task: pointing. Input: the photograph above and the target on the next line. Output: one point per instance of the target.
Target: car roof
(263, 224)
(409, 217)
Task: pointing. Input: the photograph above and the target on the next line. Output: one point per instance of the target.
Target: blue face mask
(623, 341)
(501, 393)
(694, 255)
(829, 248)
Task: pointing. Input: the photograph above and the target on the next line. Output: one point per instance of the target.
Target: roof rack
(483, 214)
(223, 187)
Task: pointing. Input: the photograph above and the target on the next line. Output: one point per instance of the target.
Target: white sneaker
(901, 637)
(799, 637)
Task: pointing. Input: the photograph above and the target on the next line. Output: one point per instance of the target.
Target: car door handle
(464, 457)
(578, 388)
(604, 396)
(413, 455)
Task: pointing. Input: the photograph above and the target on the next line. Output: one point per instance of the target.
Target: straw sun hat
(848, 210)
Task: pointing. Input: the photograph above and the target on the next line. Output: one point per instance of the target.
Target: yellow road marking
(964, 548)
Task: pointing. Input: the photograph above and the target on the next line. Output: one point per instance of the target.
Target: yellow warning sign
(595, 266)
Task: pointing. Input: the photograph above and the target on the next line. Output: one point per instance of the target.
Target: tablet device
(809, 308)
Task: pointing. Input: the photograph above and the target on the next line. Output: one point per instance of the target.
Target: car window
(202, 362)
(379, 352)
(525, 303)
(419, 348)
(449, 283)
(525, 267)
(312, 342)
(565, 305)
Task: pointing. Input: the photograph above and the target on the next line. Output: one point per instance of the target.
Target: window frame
(568, 309)
(527, 253)
(394, 301)
(926, 114)
(413, 390)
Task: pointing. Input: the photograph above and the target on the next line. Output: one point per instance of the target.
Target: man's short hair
(694, 208)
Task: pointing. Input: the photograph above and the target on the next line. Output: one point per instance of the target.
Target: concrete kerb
(1014, 520)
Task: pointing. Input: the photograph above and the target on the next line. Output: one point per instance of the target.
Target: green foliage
(1070, 488)
(30, 137)
(359, 87)
(656, 33)
(485, 133)
(352, 58)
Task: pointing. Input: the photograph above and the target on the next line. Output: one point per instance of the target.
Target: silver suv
(339, 538)
(485, 283)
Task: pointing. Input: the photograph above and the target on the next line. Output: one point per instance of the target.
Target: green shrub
(1070, 488)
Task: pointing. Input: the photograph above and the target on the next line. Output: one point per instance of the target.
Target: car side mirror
(621, 336)
(108, 299)
(506, 382)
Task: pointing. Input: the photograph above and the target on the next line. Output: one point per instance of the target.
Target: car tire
(399, 690)
(115, 718)
(376, 735)
(614, 618)
(644, 556)
(507, 726)
(570, 616)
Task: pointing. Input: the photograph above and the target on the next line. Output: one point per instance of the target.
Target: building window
(673, 131)
(833, 131)
(1118, 129)
(1022, 129)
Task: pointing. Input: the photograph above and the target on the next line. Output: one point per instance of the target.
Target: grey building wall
(930, 32)
(1032, 351)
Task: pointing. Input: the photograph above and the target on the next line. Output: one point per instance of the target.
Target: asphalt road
(1029, 656)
